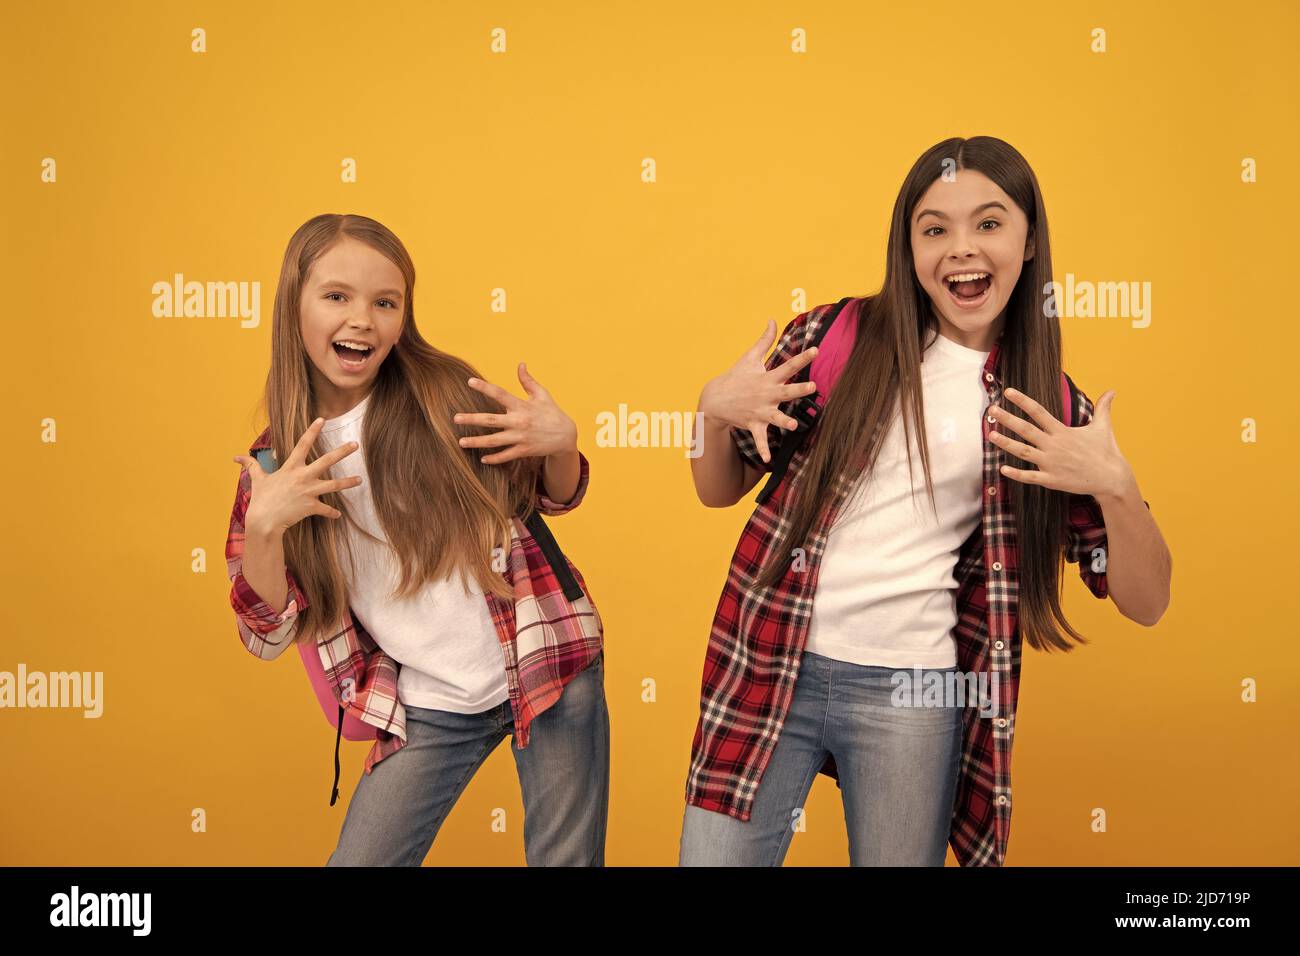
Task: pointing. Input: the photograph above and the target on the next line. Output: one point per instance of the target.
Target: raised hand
(748, 394)
(292, 492)
(531, 427)
(1084, 460)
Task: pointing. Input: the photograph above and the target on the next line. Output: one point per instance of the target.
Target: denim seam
(830, 690)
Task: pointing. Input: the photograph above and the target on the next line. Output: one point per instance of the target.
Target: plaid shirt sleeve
(548, 506)
(790, 344)
(265, 633)
(1086, 531)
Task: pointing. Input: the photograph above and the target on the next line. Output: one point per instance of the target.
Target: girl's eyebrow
(975, 212)
(339, 283)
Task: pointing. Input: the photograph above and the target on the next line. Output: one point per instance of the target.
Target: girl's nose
(963, 244)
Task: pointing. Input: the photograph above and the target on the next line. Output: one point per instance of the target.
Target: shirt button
(988, 376)
(990, 419)
(1001, 721)
(998, 644)
(997, 565)
(1002, 799)
(993, 489)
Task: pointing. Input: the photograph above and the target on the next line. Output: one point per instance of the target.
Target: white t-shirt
(444, 640)
(886, 594)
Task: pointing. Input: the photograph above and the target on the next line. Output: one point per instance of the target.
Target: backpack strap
(554, 556)
(806, 410)
(338, 737)
(540, 532)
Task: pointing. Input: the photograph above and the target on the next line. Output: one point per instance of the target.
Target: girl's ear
(1029, 247)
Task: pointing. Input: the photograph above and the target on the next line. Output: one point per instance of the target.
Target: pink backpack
(834, 340)
(352, 728)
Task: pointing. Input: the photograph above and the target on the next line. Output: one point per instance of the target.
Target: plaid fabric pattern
(757, 637)
(554, 640)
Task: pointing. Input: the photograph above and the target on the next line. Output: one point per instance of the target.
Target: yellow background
(776, 172)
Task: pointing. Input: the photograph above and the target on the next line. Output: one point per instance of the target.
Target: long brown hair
(884, 365)
(440, 507)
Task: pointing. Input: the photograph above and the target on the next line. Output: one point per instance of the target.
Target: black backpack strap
(554, 556)
(334, 794)
(804, 411)
(1069, 411)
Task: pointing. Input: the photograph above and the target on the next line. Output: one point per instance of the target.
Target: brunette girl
(848, 592)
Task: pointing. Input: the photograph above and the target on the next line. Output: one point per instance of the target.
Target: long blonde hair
(441, 508)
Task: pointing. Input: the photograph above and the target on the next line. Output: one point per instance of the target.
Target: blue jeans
(397, 809)
(897, 768)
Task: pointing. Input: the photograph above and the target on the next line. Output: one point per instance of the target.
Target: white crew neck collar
(957, 350)
(348, 417)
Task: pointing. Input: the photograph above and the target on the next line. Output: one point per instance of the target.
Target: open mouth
(969, 290)
(352, 358)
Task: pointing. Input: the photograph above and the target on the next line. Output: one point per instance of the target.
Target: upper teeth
(355, 345)
(967, 276)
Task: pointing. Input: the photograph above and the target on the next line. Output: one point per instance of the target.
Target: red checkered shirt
(560, 638)
(758, 636)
